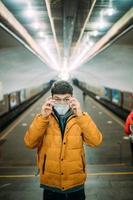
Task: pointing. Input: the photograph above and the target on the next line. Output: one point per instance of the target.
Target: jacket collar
(66, 116)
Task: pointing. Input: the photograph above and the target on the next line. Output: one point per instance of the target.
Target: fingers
(49, 102)
(75, 106)
(50, 97)
(73, 102)
(47, 107)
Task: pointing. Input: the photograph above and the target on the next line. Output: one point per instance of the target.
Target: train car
(22, 95)
(117, 97)
(14, 99)
(46, 85)
(31, 92)
(82, 84)
(98, 90)
(128, 101)
(36, 90)
(4, 105)
(107, 94)
(95, 89)
(28, 93)
(75, 81)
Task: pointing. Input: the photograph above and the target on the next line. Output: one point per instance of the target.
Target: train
(121, 99)
(16, 98)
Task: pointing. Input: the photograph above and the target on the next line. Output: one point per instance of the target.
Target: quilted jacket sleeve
(91, 134)
(35, 133)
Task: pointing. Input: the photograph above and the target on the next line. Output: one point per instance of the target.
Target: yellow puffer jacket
(62, 163)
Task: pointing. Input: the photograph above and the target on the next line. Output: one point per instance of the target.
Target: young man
(59, 133)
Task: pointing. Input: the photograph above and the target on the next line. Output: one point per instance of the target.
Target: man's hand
(75, 106)
(47, 107)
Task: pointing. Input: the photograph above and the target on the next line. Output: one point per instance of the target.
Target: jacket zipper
(83, 162)
(43, 167)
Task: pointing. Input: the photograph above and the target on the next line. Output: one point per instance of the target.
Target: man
(58, 133)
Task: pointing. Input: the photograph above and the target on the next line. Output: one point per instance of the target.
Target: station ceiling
(61, 38)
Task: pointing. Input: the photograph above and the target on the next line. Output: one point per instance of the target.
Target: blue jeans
(50, 195)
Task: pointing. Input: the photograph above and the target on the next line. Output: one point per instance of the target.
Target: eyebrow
(63, 97)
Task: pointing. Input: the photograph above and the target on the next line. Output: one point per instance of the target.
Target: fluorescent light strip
(111, 33)
(112, 41)
(17, 38)
(8, 16)
(82, 30)
(53, 28)
(114, 30)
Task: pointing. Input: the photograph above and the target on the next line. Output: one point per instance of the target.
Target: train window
(116, 97)
(4, 105)
(22, 95)
(14, 99)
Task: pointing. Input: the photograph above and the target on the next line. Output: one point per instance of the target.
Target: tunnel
(87, 44)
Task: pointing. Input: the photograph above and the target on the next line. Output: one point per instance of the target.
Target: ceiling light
(101, 14)
(101, 24)
(64, 75)
(86, 37)
(95, 33)
(35, 25)
(85, 48)
(44, 45)
(91, 43)
(30, 13)
(29, 4)
(41, 34)
(110, 11)
(19, 1)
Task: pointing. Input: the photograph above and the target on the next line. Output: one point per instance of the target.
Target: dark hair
(61, 87)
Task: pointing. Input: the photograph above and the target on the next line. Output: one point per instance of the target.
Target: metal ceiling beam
(69, 18)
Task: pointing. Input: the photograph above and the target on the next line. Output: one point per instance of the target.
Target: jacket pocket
(83, 162)
(43, 166)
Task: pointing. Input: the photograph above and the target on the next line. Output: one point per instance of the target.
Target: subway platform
(109, 166)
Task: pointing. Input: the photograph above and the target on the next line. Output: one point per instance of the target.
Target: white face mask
(61, 108)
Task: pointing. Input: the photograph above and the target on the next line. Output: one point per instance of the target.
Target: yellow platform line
(88, 174)
(107, 164)
(18, 176)
(109, 173)
(18, 167)
(88, 165)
